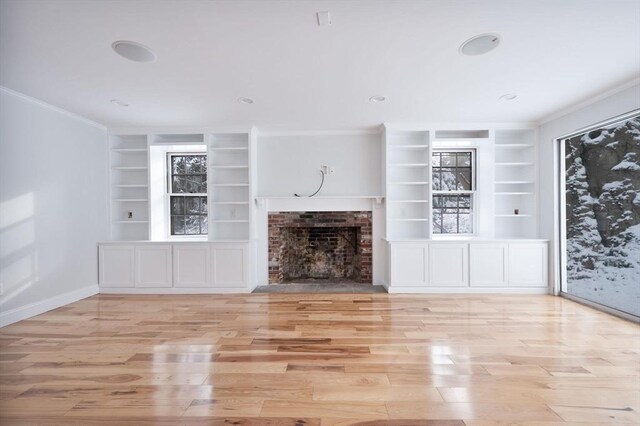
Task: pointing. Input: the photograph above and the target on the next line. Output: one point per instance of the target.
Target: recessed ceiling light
(246, 101)
(119, 103)
(508, 97)
(134, 51)
(480, 44)
(376, 99)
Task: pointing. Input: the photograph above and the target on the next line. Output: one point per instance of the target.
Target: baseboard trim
(468, 290)
(175, 290)
(37, 308)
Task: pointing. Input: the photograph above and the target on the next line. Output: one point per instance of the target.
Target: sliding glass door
(601, 223)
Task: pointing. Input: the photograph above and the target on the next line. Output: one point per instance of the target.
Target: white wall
(608, 107)
(53, 206)
(290, 164)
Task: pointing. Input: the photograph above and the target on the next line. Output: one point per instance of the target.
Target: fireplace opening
(311, 254)
(332, 247)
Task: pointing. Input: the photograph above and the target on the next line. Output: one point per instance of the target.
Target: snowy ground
(613, 286)
(623, 295)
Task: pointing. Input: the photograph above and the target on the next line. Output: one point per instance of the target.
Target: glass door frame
(561, 213)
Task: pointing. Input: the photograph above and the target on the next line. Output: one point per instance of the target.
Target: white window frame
(473, 192)
(169, 193)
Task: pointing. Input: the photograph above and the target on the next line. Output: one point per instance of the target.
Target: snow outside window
(453, 186)
(602, 215)
(187, 189)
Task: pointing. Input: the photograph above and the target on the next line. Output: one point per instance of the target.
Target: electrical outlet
(327, 170)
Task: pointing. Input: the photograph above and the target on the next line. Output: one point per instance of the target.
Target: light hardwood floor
(320, 359)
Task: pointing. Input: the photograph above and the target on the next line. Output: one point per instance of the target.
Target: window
(453, 190)
(187, 189)
(600, 208)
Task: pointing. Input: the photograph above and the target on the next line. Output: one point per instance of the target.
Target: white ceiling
(554, 53)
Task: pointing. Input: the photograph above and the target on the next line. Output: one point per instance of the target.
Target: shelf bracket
(260, 202)
(378, 201)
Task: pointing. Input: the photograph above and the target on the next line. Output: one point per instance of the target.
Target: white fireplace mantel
(321, 203)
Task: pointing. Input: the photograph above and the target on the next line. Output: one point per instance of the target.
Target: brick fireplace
(320, 246)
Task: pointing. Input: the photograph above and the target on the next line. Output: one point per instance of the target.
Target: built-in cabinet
(503, 253)
(231, 158)
(505, 194)
(483, 266)
(515, 184)
(527, 264)
(192, 265)
(174, 267)
(230, 167)
(152, 266)
(116, 265)
(133, 262)
(489, 265)
(129, 187)
(408, 192)
(449, 265)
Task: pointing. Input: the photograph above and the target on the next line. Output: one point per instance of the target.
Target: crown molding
(592, 100)
(50, 107)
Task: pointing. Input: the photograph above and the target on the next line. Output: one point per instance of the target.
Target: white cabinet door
(116, 266)
(448, 265)
(153, 266)
(488, 265)
(228, 266)
(409, 265)
(528, 265)
(191, 265)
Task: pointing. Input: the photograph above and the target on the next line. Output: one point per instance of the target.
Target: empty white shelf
(513, 182)
(230, 148)
(514, 215)
(409, 219)
(409, 183)
(230, 202)
(229, 184)
(129, 168)
(514, 145)
(409, 146)
(408, 165)
(229, 167)
(124, 200)
(513, 164)
(130, 186)
(131, 222)
(514, 193)
(229, 221)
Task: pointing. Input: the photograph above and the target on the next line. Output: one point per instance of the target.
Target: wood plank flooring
(320, 359)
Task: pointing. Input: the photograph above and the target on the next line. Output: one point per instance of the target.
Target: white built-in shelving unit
(231, 188)
(408, 188)
(507, 192)
(515, 184)
(129, 187)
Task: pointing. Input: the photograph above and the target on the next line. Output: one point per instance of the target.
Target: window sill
(454, 237)
(180, 239)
